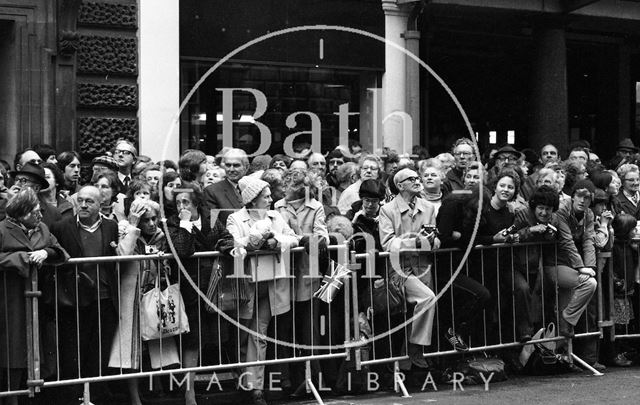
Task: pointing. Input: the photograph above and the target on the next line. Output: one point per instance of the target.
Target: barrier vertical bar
(34, 293)
(30, 333)
(356, 313)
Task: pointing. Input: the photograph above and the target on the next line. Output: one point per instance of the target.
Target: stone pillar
(549, 119)
(412, 39)
(159, 78)
(625, 97)
(394, 87)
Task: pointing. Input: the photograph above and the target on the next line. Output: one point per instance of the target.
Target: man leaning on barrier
(574, 270)
(401, 228)
(87, 321)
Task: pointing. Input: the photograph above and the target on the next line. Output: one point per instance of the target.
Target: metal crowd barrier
(621, 295)
(49, 323)
(498, 326)
(63, 328)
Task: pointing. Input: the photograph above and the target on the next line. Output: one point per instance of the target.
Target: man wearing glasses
(401, 225)
(369, 166)
(125, 155)
(32, 176)
(464, 155)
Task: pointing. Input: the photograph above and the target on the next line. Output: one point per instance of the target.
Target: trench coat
(14, 271)
(239, 224)
(308, 220)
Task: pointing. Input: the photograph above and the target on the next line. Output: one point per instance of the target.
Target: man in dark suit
(223, 197)
(87, 234)
(125, 155)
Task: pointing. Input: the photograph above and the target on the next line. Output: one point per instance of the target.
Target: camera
(429, 230)
(509, 231)
(551, 230)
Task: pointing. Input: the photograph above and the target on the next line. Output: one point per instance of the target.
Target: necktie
(126, 181)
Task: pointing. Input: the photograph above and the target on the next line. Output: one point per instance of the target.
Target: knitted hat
(602, 180)
(107, 161)
(250, 188)
(583, 185)
(372, 189)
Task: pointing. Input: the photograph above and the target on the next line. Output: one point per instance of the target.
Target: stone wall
(106, 75)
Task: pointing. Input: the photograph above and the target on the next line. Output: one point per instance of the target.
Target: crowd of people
(402, 204)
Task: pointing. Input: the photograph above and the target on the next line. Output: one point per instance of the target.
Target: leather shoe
(599, 367)
(621, 361)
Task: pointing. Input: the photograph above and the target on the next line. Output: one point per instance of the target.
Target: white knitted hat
(250, 188)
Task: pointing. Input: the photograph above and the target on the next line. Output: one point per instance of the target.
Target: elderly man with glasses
(369, 168)
(464, 154)
(402, 233)
(32, 176)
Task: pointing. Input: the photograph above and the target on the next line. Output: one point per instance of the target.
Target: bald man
(87, 234)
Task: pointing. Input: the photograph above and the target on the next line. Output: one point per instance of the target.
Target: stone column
(394, 81)
(549, 119)
(412, 39)
(159, 78)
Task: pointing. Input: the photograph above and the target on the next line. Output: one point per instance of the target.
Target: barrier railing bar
(216, 367)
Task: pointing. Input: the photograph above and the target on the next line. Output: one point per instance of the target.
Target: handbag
(224, 292)
(388, 295)
(541, 358)
(162, 312)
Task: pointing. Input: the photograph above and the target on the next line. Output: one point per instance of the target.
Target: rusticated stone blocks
(107, 96)
(97, 135)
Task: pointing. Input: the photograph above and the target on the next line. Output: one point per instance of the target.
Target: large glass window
(287, 90)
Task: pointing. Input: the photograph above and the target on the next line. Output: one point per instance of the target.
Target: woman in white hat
(257, 227)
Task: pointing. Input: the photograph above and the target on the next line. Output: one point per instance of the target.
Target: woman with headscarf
(257, 227)
(25, 245)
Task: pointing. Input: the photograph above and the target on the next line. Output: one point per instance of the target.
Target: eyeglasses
(507, 158)
(123, 152)
(372, 168)
(463, 154)
(412, 179)
(22, 180)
